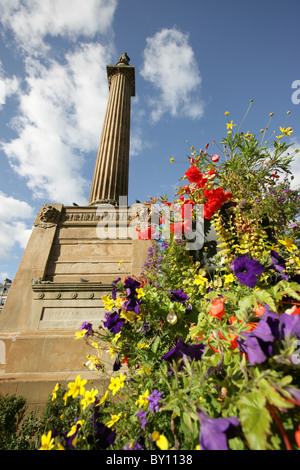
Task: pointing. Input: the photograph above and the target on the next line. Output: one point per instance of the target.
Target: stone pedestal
(65, 270)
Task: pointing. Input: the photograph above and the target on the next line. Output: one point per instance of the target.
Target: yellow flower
(142, 400)
(171, 160)
(230, 125)
(142, 345)
(140, 293)
(103, 399)
(113, 420)
(297, 261)
(228, 278)
(120, 262)
(89, 397)
(80, 334)
(286, 131)
(47, 442)
(288, 243)
(108, 302)
(271, 114)
(74, 428)
(129, 316)
(118, 302)
(76, 388)
(161, 440)
(116, 383)
(54, 395)
(200, 280)
(226, 113)
(248, 135)
(145, 370)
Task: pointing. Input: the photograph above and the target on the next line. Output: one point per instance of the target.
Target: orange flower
(217, 309)
(259, 311)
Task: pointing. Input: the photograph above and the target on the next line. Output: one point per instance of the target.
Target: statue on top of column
(124, 59)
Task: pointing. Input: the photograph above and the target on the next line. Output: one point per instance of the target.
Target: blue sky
(194, 60)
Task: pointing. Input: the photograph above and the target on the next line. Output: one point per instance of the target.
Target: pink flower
(215, 158)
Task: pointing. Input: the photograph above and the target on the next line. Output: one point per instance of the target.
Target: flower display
(201, 351)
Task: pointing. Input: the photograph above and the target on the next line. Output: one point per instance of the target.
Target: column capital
(121, 68)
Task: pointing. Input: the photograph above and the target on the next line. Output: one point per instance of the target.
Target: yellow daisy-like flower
(108, 302)
(226, 113)
(145, 370)
(140, 293)
(142, 400)
(230, 125)
(286, 131)
(76, 388)
(171, 160)
(228, 278)
(47, 441)
(118, 302)
(103, 399)
(200, 280)
(129, 316)
(74, 428)
(113, 420)
(142, 345)
(80, 334)
(54, 394)
(116, 383)
(288, 243)
(89, 397)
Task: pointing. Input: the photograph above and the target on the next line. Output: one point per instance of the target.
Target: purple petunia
(178, 296)
(183, 350)
(247, 270)
(88, 327)
(273, 328)
(113, 322)
(154, 401)
(215, 432)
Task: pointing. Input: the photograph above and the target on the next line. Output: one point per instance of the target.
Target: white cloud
(31, 20)
(8, 86)
(170, 65)
(14, 230)
(60, 118)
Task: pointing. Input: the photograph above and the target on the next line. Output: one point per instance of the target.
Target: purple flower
(135, 446)
(258, 343)
(215, 432)
(88, 327)
(183, 350)
(113, 322)
(273, 328)
(132, 305)
(115, 289)
(246, 270)
(178, 296)
(154, 401)
(142, 416)
(131, 285)
(277, 262)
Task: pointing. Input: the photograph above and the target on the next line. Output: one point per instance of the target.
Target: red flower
(215, 158)
(195, 176)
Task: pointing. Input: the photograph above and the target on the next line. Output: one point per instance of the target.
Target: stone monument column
(112, 165)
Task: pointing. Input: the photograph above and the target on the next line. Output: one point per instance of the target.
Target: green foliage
(17, 432)
(205, 349)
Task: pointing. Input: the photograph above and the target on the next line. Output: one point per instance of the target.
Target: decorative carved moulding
(92, 215)
(48, 215)
(69, 290)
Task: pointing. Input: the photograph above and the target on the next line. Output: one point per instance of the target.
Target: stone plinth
(65, 270)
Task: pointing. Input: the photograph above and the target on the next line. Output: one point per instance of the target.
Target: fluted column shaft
(112, 165)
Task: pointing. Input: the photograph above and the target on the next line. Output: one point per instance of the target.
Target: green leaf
(255, 419)
(273, 396)
(155, 344)
(264, 296)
